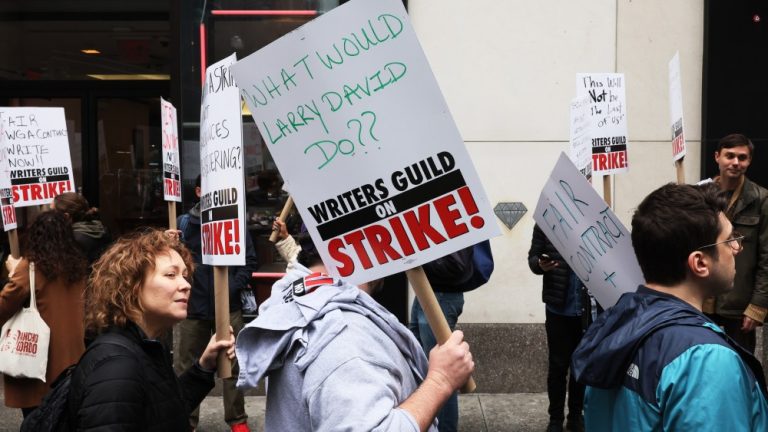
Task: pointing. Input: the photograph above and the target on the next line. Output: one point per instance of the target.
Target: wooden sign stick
(435, 316)
(607, 190)
(283, 214)
(13, 241)
(221, 294)
(680, 170)
(172, 215)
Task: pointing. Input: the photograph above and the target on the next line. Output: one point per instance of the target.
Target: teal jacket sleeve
(709, 388)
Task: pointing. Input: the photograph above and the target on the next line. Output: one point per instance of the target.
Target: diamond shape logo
(510, 212)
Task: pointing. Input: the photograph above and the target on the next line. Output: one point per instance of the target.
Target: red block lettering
(381, 243)
(335, 250)
(449, 216)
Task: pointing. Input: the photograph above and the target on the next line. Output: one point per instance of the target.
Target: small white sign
(581, 135)
(6, 197)
(222, 204)
(353, 116)
(676, 108)
(608, 108)
(171, 165)
(587, 233)
(37, 150)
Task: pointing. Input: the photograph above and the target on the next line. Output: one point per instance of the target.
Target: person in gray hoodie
(336, 360)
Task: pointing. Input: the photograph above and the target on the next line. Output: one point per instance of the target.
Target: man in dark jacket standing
(196, 330)
(567, 305)
(744, 308)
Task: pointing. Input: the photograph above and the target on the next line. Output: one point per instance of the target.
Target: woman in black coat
(138, 290)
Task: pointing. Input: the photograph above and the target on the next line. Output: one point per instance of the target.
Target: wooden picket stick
(13, 241)
(435, 316)
(172, 215)
(680, 171)
(607, 190)
(283, 214)
(221, 294)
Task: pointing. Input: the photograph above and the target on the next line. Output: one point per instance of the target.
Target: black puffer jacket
(115, 388)
(556, 281)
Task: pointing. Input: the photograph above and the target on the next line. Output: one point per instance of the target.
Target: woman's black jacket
(126, 383)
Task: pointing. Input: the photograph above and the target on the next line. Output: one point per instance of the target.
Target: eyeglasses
(735, 241)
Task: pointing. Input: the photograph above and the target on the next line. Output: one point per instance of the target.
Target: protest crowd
(652, 328)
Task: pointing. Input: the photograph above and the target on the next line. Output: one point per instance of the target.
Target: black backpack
(53, 413)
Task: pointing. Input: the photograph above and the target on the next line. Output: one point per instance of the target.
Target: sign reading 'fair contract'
(171, 165)
(587, 234)
(37, 150)
(352, 114)
(222, 204)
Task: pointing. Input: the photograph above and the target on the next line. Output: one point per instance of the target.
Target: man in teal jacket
(654, 361)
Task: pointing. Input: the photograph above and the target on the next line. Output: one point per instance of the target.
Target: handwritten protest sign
(587, 234)
(352, 114)
(581, 135)
(606, 92)
(222, 204)
(676, 108)
(6, 197)
(37, 154)
(171, 166)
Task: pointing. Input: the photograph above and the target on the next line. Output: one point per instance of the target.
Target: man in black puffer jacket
(568, 313)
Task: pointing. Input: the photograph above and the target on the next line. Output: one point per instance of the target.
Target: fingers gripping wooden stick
(283, 214)
(221, 294)
(435, 316)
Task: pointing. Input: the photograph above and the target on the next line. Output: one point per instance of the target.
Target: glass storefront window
(130, 156)
(84, 40)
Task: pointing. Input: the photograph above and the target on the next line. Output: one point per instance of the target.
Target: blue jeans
(452, 304)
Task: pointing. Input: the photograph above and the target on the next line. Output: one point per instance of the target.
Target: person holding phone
(568, 313)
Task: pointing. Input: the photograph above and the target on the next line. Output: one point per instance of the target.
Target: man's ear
(699, 264)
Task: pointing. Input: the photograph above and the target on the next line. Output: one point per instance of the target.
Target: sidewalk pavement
(480, 412)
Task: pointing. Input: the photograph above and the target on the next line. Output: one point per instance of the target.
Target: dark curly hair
(50, 244)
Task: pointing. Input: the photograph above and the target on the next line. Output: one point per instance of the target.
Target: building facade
(506, 68)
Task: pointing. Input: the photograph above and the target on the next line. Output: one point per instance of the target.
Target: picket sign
(222, 203)
(377, 168)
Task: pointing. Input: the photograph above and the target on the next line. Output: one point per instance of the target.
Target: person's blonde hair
(112, 294)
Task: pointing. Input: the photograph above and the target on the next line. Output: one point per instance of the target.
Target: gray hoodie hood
(293, 315)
